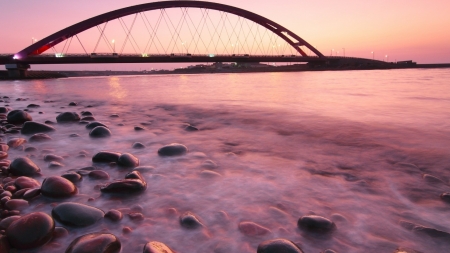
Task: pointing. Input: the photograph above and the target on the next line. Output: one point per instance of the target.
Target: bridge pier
(17, 70)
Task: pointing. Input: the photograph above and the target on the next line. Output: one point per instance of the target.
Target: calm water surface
(351, 146)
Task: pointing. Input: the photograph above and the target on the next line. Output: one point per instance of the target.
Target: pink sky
(402, 29)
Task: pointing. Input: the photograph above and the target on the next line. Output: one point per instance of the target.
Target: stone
(4, 147)
(446, 197)
(3, 155)
(315, 223)
(252, 229)
(55, 165)
(106, 157)
(88, 118)
(134, 216)
(16, 204)
(95, 124)
(72, 177)
(26, 182)
(4, 224)
(278, 246)
(190, 221)
(30, 149)
(4, 244)
(156, 247)
(31, 193)
(73, 104)
(190, 128)
(76, 214)
(138, 145)
(128, 160)
(134, 175)
(33, 106)
(40, 138)
(32, 127)
(173, 149)
(23, 166)
(86, 113)
(60, 232)
(16, 142)
(114, 215)
(3, 109)
(57, 187)
(100, 132)
(53, 158)
(30, 231)
(95, 243)
(124, 186)
(67, 117)
(98, 175)
(18, 117)
(138, 128)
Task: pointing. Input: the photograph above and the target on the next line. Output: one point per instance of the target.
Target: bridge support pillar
(17, 70)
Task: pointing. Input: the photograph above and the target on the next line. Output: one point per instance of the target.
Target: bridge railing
(112, 55)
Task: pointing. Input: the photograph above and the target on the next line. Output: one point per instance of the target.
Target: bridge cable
(76, 35)
(70, 42)
(125, 28)
(176, 33)
(100, 37)
(158, 22)
(190, 31)
(146, 27)
(196, 30)
(170, 30)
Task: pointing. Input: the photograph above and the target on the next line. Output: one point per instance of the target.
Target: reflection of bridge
(205, 32)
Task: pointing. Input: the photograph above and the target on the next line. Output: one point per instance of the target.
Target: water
(351, 146)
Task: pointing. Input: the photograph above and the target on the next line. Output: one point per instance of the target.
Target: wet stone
(74, 135)
(30, 231)
(26, 182)
(86, 113)
(106, 157)
(138, 145)
(190, 221)
(88, 118)
(128, 160)
(72, 177)
(4, 147)
(57, 187)
(19, 193)
(33, 106)
(95, 124)
(173, 149)
(18, 117)
(53, 158)
(3, 155)
(433, 179)
(16, 142)
(98, 175)
(138, 128)
(124, 186)
(32, 193)
(314, 223)
(329, 251)
(190, 128)
(30, 149)
(16, 204)
(49, 122)
(156, 247)
(23, 166)
(100, 132)
(32, 127)
(4, 244)
(60, 232)
(114, 115)
(95, 243)
(136, 216)
(4, 224)
(76, 214)
(252, 229)
(446, 197)
(67, 117)
(55, 165)
(278, 246)
(3, 109)
(114, 215)
(40, 138)
(73, 104)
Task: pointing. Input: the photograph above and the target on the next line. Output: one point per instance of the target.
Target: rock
(88, 118)
(19, 193)
(190, 221)
(76, 214)
(30, 149)
(431, 232)
(95, 124)
(32, 127)
(74, 135)
(432, 179)
(16, 142)
(60, 232)
(40, 138)
(278, 246)
(53, 158)
(209, 174)
(4, 224)
(314, 223)
(30, 231)
(33, 106)
(3, 109)
(208, 164)
(3, 155)
(138, 128)
(190, 128)
(446, 197)
(86, 113)
(18, 117)
(138, 145)
(16, 204)
(136, 216)
(128, 160)
(98, 175)
(106, 157)
(4, 147)
(4, 244)
(95, 243)
(73, 104)
(32, 193)
(173, 149)
(114, 215)
(57, 187)
(156, 247)
(23, 166)
(67, 117)
(26, 182)
(329, 251)
(252, 229)
(134, 175)
(124, 186)
(55, 165)
(72, 177)
(114, 115)
(100, 132)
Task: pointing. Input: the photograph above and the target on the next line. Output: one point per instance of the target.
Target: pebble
(138, 128)
(73, 104)
(157, 247)
(23, 166)
(135, 216)
(98, 175)
(40, 138)
(3, 109)
(57, 187)
(4, 147)
(76, 214)
(16, 204)
(190, 221)
(100, 132)
(32, 193)
(18, 117)
(190, 128)
(88, 118)
(252, 229)
(95, 243)
(4, 224)
(60, 232)
(114, 215)
(128, 160)
(138, 145)
(33, 106)
(278, 246)
(30, 231)
(30, 149)
(55, 165)
(67, 117)
(32, 127)
(26, 182)
(72, 177)
(446, 197)
(124, 186)
(86, 113)
(53, 158)
(315, 223)
(95, 124)
(16, 142)
(106, 157)
(3, 155)
(173, 149)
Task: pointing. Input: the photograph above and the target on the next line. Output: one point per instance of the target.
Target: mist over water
(351, 146)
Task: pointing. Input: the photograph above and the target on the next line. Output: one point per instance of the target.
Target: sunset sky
(402, 29)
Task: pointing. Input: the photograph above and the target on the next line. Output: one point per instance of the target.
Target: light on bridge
(59, 55)
(212, 55)
(144, 55)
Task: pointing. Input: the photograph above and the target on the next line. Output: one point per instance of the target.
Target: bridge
(165, 32)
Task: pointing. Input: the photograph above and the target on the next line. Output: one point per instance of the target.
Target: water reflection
(115, 89)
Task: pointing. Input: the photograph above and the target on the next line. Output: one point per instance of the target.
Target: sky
(399, 29)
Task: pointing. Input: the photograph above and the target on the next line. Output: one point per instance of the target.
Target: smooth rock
(73, 104)
(4, 147)
(190, 221)
(18, 117)
(3, 155)
(19, 193)
(114, 215)
(4, 223)
(86, 113)
(106, 157)
(252, 229)
(60, 232)
(30, 231)
(40, 138)
(138, 145)
(53, 158)
(190, 128)
(88, 118)
(433, 179)
(95, 243)
(33, 106)
(4, 244)
(156, 247)
(278, 246)
(31, 193)
(55, 165)
(100, 132)
(128, 160)
(72, 177)
(173, 149)
(26, 182)
(57, 187)
(138, 128)
(30, 149)
(314, 223)
(32, 127)
(95, 124)
(446, 197)
(17, 204)
(23, 166)
(3, 109)
(98, 175)
(124, 186)
(76, 214)
(16, 142)
(67, 117)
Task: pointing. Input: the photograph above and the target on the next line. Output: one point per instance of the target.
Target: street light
(373, 56)
(387, 58)
(114, 45)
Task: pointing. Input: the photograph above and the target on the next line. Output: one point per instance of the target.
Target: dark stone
(86, 113)
(314, 223)
(32, 193)
(446, 197)
(4, 244)
(3, 155)
(106, 157)
(40, 137)
(3, 109)
(125, 186)
(60, 232)
(18, 117)
(73, 104)
(55, 165)
(114, 115)
(76, 214)
(114, 215)
(4, 224)
(190, 128)
(33, 106)
(157, 247)
(278, 246)
(23, 166)
(134, 175)
(30, 231)
(95, 124)
(95, 243)
(173, 149)
(49, 122)
(16, 142)
(26, 182)
(53, 158)
(32, 127)
(190, 221)
(74, 135)
(138, 145)
(98, 175)
(138, 128)
(67, 117)
(30, 149)
(329, 251)
(57, 187)
(252, 229)
(19, 193)
(16, 204)
(88, 118)
(72, 177)
(128, 160)
(100, 132)
(431, 232)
